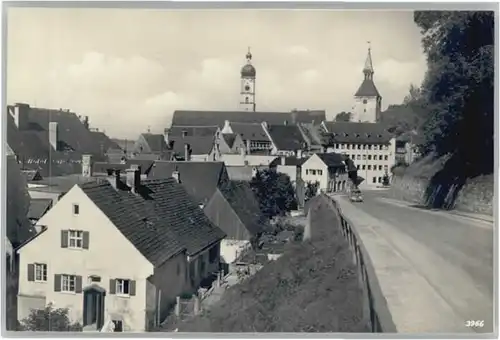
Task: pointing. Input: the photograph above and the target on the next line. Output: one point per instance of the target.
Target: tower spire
(249, 56)
(368, 69)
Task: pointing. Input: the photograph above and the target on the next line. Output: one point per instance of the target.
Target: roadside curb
(473, 216)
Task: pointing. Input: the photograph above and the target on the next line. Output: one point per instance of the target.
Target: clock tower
(247, 92)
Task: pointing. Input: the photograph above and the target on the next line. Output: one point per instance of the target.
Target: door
(93, 306)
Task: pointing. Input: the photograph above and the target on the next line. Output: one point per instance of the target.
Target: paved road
(455, 253)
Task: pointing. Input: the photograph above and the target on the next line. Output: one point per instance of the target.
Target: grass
(313, 287)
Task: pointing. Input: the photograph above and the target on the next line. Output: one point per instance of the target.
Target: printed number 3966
(474, 323)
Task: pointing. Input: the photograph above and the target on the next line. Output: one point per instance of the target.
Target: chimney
(87, 165)
(165, 136)
(134, 177)
(20, 113)
(176, 175)
(114, 180)
(187, 152)
(299, 154)
(227, 127)
(248, 146)
(283, 160)
(53, 135)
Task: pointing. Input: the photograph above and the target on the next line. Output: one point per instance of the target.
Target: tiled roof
(350, 132)
(229, 138)
(31, 175)
(198, 131)
(367, 89)
(286, 137)
(38, 207)
(312, 134)
(332, 159)
(250, 131)
(156, 142)
(124, 144)
(241, 198)
(200, 179)
(105, 143)
(102, 167)
(199, 145)
(150, 233)
(64, 183)
(217, 118)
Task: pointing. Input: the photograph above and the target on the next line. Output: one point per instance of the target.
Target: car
(356, 196)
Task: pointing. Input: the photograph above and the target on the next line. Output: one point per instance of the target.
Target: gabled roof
(332, 159)
(241, 198)
(197, 131)
(199, 145)
(250, 131)
(351, 132)
(124, 144)
(229, 138)
(289, 161)
(217, 118)
(151, 234)
(311, 134)
(156, 142)
(367, 89)
(64, 183)
(200, 179)
(286, 137)
(38, 207)
(31, 175)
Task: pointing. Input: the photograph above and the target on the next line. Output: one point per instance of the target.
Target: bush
(49, 319)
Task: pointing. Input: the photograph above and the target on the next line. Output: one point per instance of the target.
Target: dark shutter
(64, 239)
(86, 240)
(131, 288)
(78, 284)
(31, 272)
(57, 283)
(112, 286)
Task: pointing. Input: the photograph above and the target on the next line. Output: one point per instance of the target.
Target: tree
(274, 191)
(458, 88)
(343, 116)
(311, 189)
(49, 319)
(385, 179)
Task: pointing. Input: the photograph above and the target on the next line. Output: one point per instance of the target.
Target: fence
(375, 305)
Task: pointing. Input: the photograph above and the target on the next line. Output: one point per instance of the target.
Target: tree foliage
(343, 116)
(274, 191)
(49, 319)
(311, 189)
(458, 89)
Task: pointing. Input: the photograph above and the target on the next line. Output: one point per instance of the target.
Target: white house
(111, 250)
(369, 145)
(328, 169)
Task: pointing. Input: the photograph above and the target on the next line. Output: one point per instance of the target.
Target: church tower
(367, 100)
(247, 93)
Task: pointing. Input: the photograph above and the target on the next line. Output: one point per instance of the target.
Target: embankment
(426, 183)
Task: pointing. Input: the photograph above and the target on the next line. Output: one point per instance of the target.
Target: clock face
(247, 87)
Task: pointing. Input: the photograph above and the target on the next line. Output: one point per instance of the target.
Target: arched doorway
(93, 306)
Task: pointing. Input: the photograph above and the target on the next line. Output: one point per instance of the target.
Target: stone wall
(476, 196)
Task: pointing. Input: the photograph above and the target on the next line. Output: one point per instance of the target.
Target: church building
(367, 100)
(248, 73)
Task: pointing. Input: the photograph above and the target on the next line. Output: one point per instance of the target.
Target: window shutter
(31, 272)
(78, 284)
(64, 239)
(57, 283)
(132, 288)
(86, 240)
(112, 286)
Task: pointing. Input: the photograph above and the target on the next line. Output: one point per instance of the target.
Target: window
(75, 239)
(76, 209)
(313, 172)
(94, 278)
(320, 172)
(358, 157)
(122, 287)
(365, 101)
(380, 179)
(68, 283)
(374, 179)
(337, 146)
(386, 157)
(380, 157)
(369, 157)
(307, 171)
(380, 167)
(364, 157)
(359, 146)
(369, 146)
(348, 146)
(369, 166)
(375, 147)
(342, 146)
(40, 272)
(364, 167)
(357, 166)
(386, 167)
(364, 146)
(118, 325)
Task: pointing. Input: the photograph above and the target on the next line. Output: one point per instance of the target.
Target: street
(453, 253)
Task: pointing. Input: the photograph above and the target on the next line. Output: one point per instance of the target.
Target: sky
(130, 69)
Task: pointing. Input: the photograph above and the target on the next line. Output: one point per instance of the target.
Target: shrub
(49, 319)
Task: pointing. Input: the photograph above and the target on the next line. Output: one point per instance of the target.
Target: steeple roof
(248, 71)
(368, 88)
